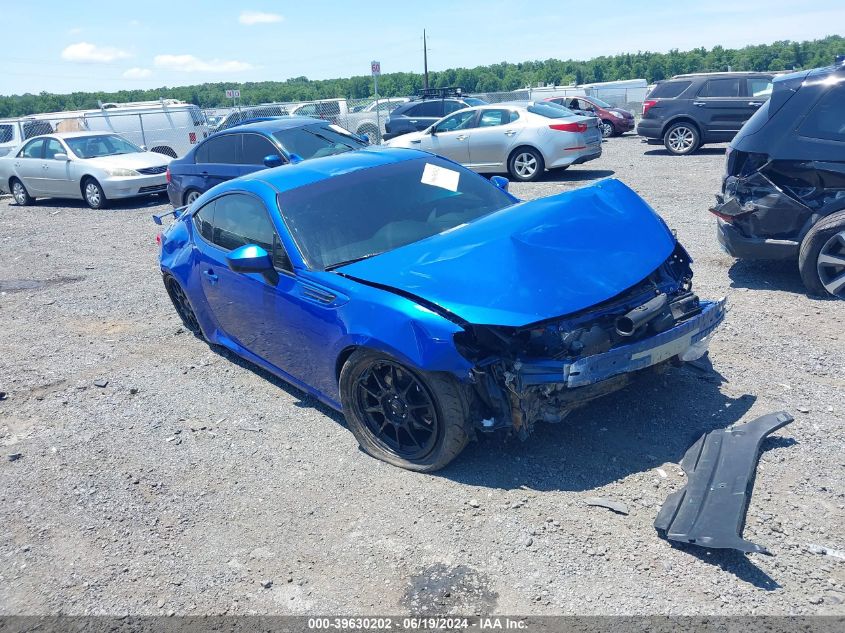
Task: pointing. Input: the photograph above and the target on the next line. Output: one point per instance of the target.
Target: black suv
(428, 107)
(783, 194)
(688, 111)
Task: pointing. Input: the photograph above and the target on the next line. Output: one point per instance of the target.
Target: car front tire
(821, 259)
(411, 419)
(681, 139)
(20, 194)
(607, 129)
(94, 195)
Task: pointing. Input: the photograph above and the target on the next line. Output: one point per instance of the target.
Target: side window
(827, 118)
(426, 108)
(514, 116)
(452, 106)
(240, 220)
(53, 147)
(32, 149)
(307, 110)
(220, 149)
(255, 148)
(490, 118)
(460, 121)
(7, 133)
(759, 87)
(720, 88)
(204, 220)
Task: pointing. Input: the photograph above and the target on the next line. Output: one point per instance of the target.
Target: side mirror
(144, 147)
(273, 160)
(252, 259)
(501, 182)
(60, 156)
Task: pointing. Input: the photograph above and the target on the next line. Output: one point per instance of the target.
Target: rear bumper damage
(734, 243)
(710, 510)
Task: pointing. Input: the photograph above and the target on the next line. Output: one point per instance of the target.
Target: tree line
(504, 76)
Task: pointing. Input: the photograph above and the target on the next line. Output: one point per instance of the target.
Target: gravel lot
(194, 483)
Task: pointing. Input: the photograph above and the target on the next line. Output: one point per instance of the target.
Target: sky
(62, 46)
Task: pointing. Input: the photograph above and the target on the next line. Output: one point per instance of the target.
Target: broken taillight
(648, 104)
(569, 127)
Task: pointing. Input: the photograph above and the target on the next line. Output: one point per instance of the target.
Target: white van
(166, 126)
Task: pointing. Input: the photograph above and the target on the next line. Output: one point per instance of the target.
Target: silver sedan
(92, 166)
(522, 138)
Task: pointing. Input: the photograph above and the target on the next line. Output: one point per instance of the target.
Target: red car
(614, 121)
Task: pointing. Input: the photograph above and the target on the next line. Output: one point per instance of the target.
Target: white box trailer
(166, 126)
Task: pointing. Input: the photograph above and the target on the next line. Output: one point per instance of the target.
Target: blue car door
(217, 160)
(273, 319)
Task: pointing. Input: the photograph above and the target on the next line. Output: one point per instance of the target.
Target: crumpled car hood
(533, 261)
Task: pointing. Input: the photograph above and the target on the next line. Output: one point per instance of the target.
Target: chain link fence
(172, 127)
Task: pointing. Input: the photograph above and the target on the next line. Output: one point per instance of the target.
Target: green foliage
(784, 55)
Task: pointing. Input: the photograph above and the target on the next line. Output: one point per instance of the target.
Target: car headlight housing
(120, 171)
(616, 114)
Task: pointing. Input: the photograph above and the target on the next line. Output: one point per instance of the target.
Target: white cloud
(137, 73)
(191, 64)
(259, 17)
(85, 52)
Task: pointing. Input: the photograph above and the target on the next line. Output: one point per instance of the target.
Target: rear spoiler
(175, 213)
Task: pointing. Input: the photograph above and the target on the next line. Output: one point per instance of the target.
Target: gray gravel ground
(194, 483)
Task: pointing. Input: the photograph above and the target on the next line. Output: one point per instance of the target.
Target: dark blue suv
(249, 147)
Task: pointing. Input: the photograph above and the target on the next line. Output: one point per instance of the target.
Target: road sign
(375, 67)
(233, 94)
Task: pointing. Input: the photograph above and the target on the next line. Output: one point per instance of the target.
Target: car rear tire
(681, 139)
(183, 306)
(93, 194)
(821, 259)
(407, 418)
(20, 194)
(190, 196)
(370, 131)
(526, 164)
(607, 129)
(164, 149)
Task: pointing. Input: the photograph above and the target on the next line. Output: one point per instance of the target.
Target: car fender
(677, 119)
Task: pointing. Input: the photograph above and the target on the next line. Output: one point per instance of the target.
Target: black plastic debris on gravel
(21, 285)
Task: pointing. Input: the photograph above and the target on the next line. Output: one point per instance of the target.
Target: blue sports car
(428, 304)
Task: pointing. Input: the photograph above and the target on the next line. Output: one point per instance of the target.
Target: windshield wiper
(351, 261)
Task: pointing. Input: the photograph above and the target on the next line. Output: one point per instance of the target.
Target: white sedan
(91, 166)
(522, 138)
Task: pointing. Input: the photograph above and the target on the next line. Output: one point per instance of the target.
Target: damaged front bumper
(624, 359)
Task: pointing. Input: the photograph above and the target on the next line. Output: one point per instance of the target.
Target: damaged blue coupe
(428, 304)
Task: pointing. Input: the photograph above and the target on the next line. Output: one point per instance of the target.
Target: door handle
(416, 140)
(210, 275)
(698, 103)
(45, 166)
(756, 104)
(462, 137)
(510, 132)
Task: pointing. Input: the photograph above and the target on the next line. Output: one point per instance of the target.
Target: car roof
(293, 176)
(80, 134)
(274, 125)
(726, 74)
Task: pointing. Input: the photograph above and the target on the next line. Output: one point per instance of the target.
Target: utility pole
(425, 61)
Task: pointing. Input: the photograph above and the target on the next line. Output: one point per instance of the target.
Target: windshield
(314, 141)
(600, 103)
(353, 216)
(550, 110)
(101, 145)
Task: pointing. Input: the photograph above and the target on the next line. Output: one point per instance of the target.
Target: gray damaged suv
(689, 111)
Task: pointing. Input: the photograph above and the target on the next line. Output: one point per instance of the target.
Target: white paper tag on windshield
(440, 177)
